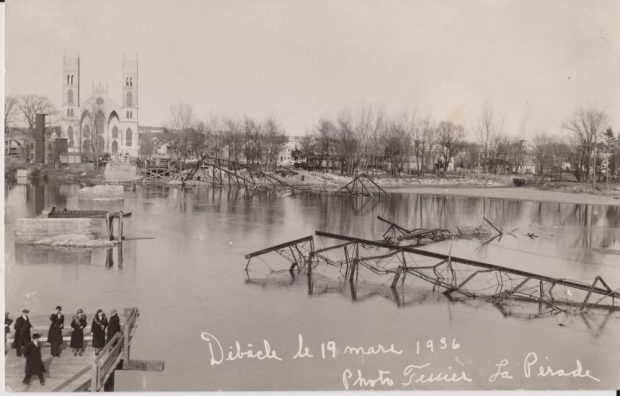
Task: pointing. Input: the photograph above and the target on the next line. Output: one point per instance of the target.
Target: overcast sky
(534, 61)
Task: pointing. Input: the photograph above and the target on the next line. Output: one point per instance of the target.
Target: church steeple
(130, 88)
(71, 85)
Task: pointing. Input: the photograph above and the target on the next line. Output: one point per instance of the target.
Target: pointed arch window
(128, 138)
(129, 99)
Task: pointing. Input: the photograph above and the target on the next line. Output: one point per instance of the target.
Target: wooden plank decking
(69, 373)
(66, 373)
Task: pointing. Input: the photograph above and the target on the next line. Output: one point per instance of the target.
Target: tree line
(369, 139)
(239, 139)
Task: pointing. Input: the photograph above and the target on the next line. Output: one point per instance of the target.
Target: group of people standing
(30, 347)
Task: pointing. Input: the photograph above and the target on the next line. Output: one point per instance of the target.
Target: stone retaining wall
(35, 230)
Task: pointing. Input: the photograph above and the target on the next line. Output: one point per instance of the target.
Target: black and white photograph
(311, 195)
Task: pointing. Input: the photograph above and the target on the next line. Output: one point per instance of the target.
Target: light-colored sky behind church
(534, 61)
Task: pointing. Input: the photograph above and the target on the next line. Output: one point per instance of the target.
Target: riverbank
(514, 193)
(320, 181)
(487, 186)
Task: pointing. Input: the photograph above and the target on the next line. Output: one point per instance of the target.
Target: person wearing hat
(54, 335)
(34, 364)
(22, 332)
(78, 323)
(114, 325)
(7, 329)
(98, 329)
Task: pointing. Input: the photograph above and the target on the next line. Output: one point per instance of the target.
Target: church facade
(97, 124)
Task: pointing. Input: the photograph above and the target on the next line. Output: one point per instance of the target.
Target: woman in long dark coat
(114, 325)
(54, 335)
(77, 335)
(98, 329)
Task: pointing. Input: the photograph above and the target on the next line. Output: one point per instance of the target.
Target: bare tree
(196, 137)
(347, 145)
(488, 128)
(11, 111)
(587, 127)
(397, 145)
(274, 141)
(450, 137)
(424, 143)
(181, 118)
(30, 106)
(308, 150)
(233, 138)
(148, 146)
(253, 142)
(96, 126)
(325, 141)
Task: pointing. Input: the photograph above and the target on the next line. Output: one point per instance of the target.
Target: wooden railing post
(120, 226)
(94, 377)
(126, 330)
(107, 225)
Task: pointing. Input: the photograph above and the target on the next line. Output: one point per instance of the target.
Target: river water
(184, 268)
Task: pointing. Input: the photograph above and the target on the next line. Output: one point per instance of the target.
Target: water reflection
(595, 320)
(111, 257)
(192, 268)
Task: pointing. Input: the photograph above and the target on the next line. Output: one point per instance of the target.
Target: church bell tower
(71, 86)
(130, 89)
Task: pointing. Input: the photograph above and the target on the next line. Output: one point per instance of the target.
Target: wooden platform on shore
(66, 373)
(69, 373)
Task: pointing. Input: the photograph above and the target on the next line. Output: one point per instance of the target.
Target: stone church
(97, 124)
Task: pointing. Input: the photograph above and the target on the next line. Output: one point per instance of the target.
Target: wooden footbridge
(87, 372)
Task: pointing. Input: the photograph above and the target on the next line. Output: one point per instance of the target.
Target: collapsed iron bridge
(398, 259)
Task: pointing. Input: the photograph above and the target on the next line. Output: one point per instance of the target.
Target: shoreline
(510, 193)
(492, 187)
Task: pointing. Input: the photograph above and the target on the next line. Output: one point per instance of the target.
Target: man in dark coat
(22, 332)
(114, 325)
(34, 364)
(54, 335)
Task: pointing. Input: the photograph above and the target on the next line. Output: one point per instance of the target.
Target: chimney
(39, 139)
